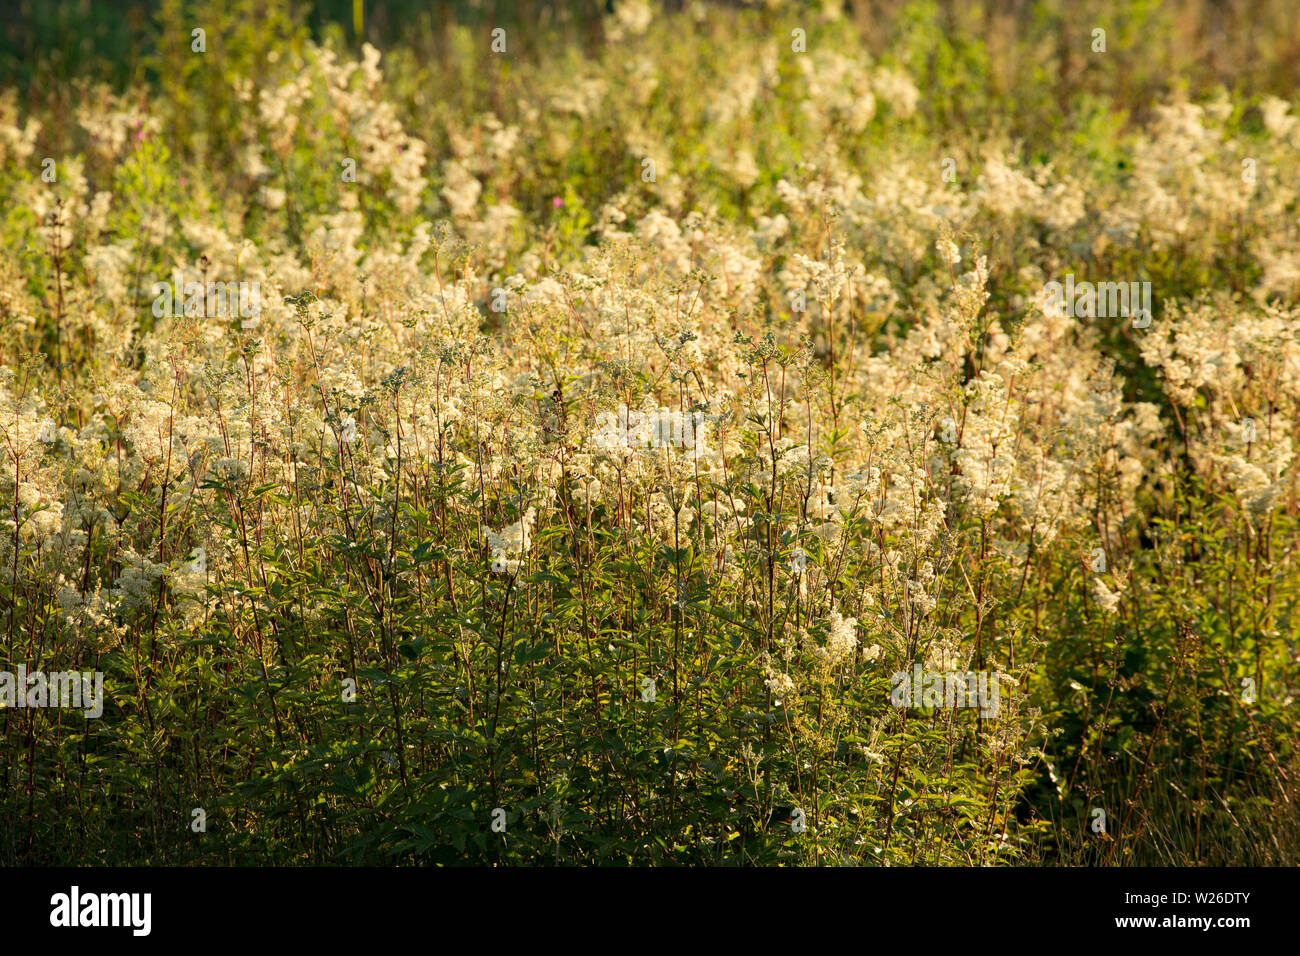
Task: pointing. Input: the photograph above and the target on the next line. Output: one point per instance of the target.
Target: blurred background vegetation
(980, 57)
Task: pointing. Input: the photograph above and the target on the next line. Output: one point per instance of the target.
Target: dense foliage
(623, 409)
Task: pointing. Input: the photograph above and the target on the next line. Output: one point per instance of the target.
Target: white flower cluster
(510, 545)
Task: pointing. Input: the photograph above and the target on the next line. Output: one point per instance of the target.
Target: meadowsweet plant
(743, 434)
